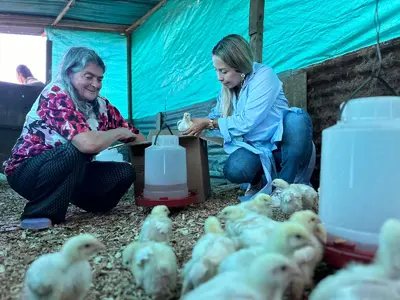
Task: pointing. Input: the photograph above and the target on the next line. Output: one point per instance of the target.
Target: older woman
(261, 133)
(51, 163)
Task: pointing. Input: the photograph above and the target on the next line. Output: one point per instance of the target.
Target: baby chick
(288, 237)
(379, 280)
(212, 248)
(185, 123)
(266, 278)
(64, 275)
(308, 257)
(261, 204)
(279, 185)
(240, 259)
(309, 195)
(246, 228)
(153, 266)
(158, 226)
(290, 200)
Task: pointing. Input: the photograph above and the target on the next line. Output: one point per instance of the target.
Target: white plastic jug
(165, 171)
(360, 170)
(109, 155)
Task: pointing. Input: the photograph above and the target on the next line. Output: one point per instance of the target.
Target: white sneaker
(253, 189)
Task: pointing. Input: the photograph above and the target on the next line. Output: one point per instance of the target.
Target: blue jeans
(294, 152)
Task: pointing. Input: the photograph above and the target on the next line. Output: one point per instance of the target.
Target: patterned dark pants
(63, 175)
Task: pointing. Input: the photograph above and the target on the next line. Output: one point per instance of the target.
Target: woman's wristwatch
(212, 123)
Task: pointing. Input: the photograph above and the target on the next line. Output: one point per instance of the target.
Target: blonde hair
(234, 51)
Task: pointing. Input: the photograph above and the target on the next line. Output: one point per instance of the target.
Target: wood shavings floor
(116, 229)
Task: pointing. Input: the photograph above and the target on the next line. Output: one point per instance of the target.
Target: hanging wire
(377, 65)
(163, 121)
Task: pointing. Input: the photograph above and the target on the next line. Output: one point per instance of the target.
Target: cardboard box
(196, 160)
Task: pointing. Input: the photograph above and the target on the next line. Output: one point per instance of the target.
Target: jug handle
(164, 124)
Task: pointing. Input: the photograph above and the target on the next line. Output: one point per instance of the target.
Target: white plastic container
(165, 174)
(360, 171)
(109, 155)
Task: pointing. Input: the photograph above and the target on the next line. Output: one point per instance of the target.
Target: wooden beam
(129, 68)
(256, 27)
(49, 60)
(15, 21)
(63, 12)
(143, 19)
(159, 120)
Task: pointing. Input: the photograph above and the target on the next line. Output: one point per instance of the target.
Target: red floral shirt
(54, 120)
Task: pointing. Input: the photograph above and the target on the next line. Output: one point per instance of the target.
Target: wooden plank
(49, 60)
(256, 27)
(129, 75)
(15, 21)
(143, 19)
(295, 88)
(63, 12)
(159, 119)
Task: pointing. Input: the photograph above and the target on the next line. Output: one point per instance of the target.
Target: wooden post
(129, 74)
(49, 60)
(256, 27)
(159, 120)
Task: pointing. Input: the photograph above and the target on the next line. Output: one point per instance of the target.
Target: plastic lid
(372, 108)
(166, 140)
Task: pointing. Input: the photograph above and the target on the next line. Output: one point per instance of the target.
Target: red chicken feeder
(190, 199)
(339, 253)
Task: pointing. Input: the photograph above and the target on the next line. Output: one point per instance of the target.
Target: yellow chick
(378, 280)
(64, 275)
(210, 250)
(308, 257)
(157, 227)
(261, 204)
(246, 228)
(153, 266)
(185, 123)
(265, 278)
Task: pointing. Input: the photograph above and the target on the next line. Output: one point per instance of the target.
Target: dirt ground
(116, 229)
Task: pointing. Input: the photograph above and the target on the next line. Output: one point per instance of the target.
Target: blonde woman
(261, 133)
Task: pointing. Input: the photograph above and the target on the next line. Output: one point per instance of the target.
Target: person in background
(24, 76)
(51, 164)
(262, 134)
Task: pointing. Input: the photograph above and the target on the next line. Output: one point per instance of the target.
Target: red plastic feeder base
(190, 199)
(340, 253)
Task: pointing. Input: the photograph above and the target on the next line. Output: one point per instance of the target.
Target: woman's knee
(127, 173)
(297, 122)
(71, 155)
(242, 166)
(233, 174)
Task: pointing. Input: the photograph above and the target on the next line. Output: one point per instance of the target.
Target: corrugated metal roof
(39, 13)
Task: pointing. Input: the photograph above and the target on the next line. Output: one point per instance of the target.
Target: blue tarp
(172, 50)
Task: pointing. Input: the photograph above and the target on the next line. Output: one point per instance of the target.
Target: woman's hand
(140, 137)
(125, 134)
(199, 124)
(128, 136)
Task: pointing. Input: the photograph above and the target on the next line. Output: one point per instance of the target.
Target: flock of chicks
(250, 257)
